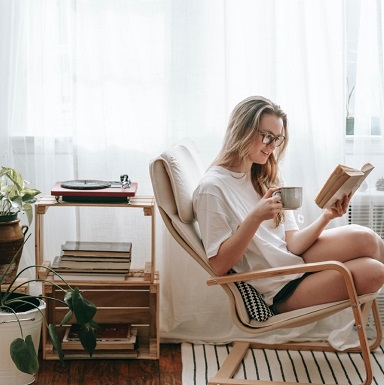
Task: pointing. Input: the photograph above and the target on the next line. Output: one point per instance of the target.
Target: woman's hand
(339, 209)
(232, 249)
(298, 242)
(268, 207)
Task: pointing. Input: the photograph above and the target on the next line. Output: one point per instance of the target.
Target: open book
(344, 180)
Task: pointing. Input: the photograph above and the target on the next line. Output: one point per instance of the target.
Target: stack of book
(108, 337)
(93, 261)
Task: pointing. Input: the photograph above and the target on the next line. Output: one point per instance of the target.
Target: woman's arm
(233, 248)
(300, 241)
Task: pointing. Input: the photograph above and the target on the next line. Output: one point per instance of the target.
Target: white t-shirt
(221, 203)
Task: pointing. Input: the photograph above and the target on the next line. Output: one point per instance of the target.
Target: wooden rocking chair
(175, 174)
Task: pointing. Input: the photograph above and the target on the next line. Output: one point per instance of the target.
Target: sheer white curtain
(291, 52)
(367, 109)
(96, 89)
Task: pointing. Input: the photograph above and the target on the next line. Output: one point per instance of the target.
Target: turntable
(95, 191)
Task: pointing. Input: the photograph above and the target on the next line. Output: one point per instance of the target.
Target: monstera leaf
(23, 354)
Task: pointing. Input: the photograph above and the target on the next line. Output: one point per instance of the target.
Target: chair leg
(366, 309)
(366, 354)
(379, 329)
(228, 369)
(239, 350)
(231, 363)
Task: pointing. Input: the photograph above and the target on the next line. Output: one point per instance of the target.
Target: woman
(244, 228)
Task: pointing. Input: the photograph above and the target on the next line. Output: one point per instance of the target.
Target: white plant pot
(9, 330)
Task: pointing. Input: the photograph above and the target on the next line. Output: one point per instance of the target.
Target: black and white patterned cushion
(256, 307)
(254, 303)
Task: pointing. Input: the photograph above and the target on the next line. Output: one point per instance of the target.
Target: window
(364, 53)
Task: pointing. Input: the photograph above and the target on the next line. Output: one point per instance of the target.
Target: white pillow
(185, 170)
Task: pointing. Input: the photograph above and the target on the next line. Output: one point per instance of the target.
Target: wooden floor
(165, 371)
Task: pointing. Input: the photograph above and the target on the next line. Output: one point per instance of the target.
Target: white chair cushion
(185, 171)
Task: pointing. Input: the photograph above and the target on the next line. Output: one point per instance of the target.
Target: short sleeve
(290, 221)
(214, 223)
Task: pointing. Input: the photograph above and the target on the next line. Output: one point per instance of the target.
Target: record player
(95, 191)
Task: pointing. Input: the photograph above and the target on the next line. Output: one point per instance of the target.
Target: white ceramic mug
(291, 197)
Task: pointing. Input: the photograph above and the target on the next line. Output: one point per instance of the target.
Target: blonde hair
(242, 130)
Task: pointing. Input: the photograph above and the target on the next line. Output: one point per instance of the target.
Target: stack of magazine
(108, 337)
(81, 260)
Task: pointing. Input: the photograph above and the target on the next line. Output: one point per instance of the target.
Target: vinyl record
(85, 184)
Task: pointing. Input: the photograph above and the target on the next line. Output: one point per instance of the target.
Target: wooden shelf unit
(134, 301)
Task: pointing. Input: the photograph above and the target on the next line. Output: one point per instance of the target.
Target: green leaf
(88, 339)
(15, 198)
(66, 318)
(24, 356)
(29, 211)
(29, 194)
(14, 176)
(84, 312)
(56, 341)
(83, 309)
(68, 298)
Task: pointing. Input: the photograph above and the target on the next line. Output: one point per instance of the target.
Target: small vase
(350, 126)
(11, 241)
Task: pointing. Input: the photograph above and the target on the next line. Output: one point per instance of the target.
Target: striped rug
(201, 362)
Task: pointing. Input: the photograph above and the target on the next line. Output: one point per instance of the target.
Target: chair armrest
(287, 270)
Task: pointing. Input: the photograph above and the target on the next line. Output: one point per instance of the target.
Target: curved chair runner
(175, 174)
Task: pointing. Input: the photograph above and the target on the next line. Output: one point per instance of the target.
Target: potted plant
(24, 312)
(15, 198)
(17, 308)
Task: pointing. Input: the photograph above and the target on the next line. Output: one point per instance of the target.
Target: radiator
(367, 209)
(368, 212)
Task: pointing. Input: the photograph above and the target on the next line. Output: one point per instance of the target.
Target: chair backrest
(174, 175)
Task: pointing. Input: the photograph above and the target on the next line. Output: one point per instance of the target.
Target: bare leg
(362, 251)
(328, 286)
(346, 243)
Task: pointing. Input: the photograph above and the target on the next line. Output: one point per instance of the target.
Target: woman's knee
(376, 280)
(366, 241)
(368, 275)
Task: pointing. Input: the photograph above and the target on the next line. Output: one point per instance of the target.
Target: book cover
(61, 265)
(80, 276)
(106, 332)
(108, 336)
(98, 258)
(87, 248)
(343, 181)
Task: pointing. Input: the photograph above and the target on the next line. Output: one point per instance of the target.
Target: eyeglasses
(268, 138)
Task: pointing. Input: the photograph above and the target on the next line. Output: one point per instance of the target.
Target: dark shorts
(287, 290)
